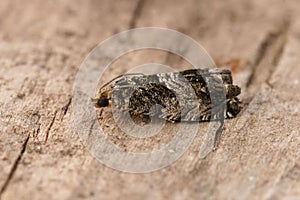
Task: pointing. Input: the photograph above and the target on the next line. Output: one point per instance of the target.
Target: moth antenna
(122, 75)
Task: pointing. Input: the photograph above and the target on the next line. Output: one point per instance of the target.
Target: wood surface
(42, 45)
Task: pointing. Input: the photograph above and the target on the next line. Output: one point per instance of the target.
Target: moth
(190, 95)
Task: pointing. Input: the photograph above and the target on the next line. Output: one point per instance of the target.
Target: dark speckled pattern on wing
(183, 96)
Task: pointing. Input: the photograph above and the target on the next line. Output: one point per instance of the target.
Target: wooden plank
(258, 155)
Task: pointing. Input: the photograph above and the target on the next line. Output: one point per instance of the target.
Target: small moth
(137, 94)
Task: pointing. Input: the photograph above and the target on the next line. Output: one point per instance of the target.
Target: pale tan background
(43, 43)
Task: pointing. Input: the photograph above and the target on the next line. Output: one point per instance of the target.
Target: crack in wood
(269, 55)
(277, 57)
(136, 13)
(268, 41)
(267, 59)
(15, 166)
(91, 127)
(50, 126)
(38, 129)
(65, 109)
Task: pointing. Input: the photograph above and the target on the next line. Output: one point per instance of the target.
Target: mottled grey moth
(138, 93)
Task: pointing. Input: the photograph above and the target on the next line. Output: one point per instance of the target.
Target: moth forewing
(137, 93)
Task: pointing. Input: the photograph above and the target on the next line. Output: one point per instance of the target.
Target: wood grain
(43, 43)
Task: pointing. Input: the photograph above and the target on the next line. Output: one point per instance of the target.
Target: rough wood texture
(42, 44)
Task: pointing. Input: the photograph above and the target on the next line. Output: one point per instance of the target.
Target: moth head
(104, 94)
(102, 99)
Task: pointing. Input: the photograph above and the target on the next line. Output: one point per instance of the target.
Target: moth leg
(173, 118)
(218, 134)
(218, 116)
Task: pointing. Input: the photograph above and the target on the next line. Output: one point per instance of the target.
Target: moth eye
(102, 102)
